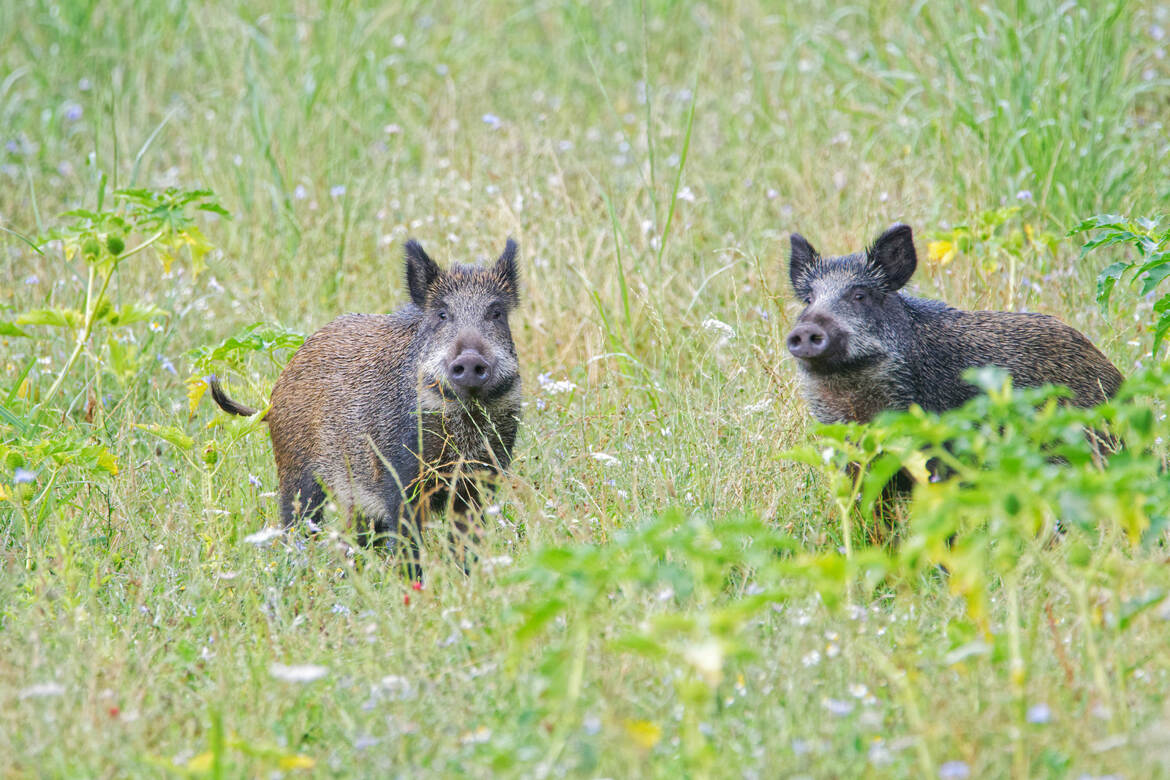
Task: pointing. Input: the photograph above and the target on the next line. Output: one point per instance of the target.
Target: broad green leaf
(642, 645)
(881, 470)
(9, 329)
(1107, 279)
(1154, 274)
(133, 313)
(538, 618)
(61, 318)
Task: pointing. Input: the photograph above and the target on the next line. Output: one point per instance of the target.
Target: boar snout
(808, 340)
(470, 370)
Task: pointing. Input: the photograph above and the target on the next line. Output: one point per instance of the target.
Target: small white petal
(264, 535)
(41, 690)
(302, 673)
(606, 459)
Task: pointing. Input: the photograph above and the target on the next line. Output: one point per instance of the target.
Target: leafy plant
(990, 240)
(700, 587)
(37, 444)
(1149, 268)
(1026, 489)
(274, 341)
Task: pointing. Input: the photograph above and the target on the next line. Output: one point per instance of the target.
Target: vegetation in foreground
(678, 577)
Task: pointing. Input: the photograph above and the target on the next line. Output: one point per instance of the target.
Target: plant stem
(91, 308)
(1018, 672)
(900, 679)
(572, 694)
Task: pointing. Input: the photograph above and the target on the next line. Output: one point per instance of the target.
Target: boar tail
(225, 403)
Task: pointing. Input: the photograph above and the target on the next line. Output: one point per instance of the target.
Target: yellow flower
(940, 252)
(644, 733)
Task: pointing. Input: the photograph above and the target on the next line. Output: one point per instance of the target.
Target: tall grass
(650, 158)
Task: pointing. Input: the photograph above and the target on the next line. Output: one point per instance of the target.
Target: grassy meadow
(662, 592)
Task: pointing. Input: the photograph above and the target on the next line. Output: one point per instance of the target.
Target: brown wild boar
(399, 415)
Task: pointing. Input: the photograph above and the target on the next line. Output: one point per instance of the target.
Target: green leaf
(257, 337)
(807, 455)
(9, 329)
(880, 472)
(169, 433)
(537, 619)
(642, 645)
(1154, 272)
(1131, 608)
(106, 460)
(134, 312)
(12, 419)
(1107, 279)
(61, 318)
(1160, 331)
(14, 391)
(215, 208)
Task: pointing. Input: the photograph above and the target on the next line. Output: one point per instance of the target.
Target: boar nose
(469, 370)
(808, 340)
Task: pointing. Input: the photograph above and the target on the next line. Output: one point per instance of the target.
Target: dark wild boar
(863, 347)
(399, 415)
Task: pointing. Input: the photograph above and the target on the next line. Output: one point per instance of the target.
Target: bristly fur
(886, 350)
(365, 409)
(501, 278)
(421, 272)
(856, 267)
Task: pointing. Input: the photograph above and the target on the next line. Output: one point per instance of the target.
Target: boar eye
(860, 295)
(493, 314)
(442, 314)
(807, 300)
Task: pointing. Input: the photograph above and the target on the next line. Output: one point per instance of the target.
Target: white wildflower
(264, 535)
(301, 673)
(555, 386)
(496, 562)
(397, 687)
(42, 690)
(707, 658)
(725, 331)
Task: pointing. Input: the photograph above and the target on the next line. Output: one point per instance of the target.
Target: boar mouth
(484, 395)
(833, 363)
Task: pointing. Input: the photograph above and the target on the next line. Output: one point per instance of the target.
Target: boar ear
(799, 262)
(893, 254)
(421, 272)
(507, 271)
